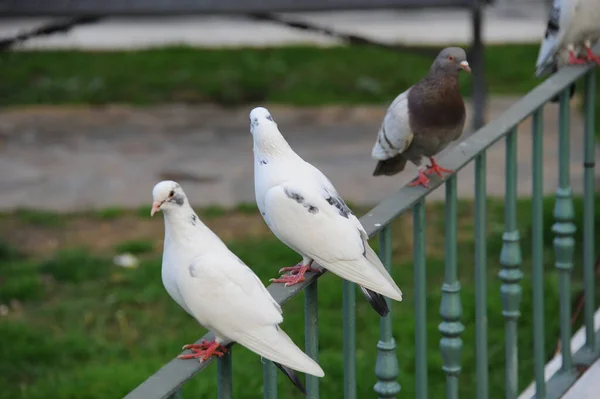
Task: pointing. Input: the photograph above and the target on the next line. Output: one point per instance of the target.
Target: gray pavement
(81, 158)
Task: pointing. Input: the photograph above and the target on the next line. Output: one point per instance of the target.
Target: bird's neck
(270, 145)
(183, 226)
(440, 81)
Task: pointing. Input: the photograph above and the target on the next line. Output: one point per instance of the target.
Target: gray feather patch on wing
(339, 204)
(299, 198)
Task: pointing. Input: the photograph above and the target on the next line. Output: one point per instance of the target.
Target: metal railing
(167, 382)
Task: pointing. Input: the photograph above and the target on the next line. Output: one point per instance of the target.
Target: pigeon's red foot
(574, 60)
(591, 57)
(204, 350)
(421, 180)
(435, 168)
(296, 274)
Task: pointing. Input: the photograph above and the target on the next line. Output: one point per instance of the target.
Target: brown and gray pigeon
(423, 120)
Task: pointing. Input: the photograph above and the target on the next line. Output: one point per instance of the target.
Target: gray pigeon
(423, 120)
(572, 28)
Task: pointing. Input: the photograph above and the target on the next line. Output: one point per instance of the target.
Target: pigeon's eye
(172, 193)
(451, 58)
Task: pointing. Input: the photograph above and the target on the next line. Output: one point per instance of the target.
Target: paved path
(80, 158)
(507, 21)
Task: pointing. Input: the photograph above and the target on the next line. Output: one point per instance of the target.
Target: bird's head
(260, 119)
(452, 59)
(167, 195)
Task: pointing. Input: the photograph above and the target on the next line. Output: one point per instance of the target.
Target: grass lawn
(75, 326)
(291, 75)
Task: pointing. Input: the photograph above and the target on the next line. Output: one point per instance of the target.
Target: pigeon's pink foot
(574, 60)
(204, 350)
(420, 180)
(435, 168)
(296, 274)
(296, 269)
(591, 56)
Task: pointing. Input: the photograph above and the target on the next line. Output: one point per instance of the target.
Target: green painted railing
(167, 382)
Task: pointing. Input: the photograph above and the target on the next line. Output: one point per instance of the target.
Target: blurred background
(93, 116)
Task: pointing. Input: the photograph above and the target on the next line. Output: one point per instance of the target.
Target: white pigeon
(223, 294)
(303, 209)
(573, 26)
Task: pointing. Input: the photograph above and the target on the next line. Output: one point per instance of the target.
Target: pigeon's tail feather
(272, 343)
(374, 260)
(366, 271)
(391, 166)
(291, 374)
(377, 301)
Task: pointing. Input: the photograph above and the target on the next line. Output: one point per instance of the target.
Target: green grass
(87, 329)
(135, 247)
(110, 213)
(39, 217)
(292, 75)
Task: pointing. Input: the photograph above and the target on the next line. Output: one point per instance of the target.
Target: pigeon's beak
(155, 207)
(465, 65)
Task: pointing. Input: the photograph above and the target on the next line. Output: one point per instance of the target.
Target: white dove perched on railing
(223, 294)
(573, 29)
(303, 209)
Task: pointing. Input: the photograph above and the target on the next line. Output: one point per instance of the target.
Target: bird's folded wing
(394, 135)
(221, 287)
(314, 222)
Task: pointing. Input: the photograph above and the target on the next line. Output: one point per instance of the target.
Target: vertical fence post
(176, 395)
(564, 229)
(481, 324)
(420, 300)
(225, 383)
(510, 274)
(588, 209)
(450, 307)
(349, 332)
(270, 379)
(386, 368)
(537, 252)
(311, 331)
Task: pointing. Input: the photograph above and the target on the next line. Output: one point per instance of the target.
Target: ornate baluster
(386, 368)
(481, 324)
(420, 300)
(537, 253)
(224, 379)
(311, 338)
(511, 275)
(270, 379)
(564, 229)
(451, 308)
(589, 165)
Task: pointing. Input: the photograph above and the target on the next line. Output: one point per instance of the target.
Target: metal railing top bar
(175, 373)
(30, 8)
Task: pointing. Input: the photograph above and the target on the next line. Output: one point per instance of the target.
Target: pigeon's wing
(560, 18)
(230, 293)
(312, 218)
(226, 294)
(394, 135)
